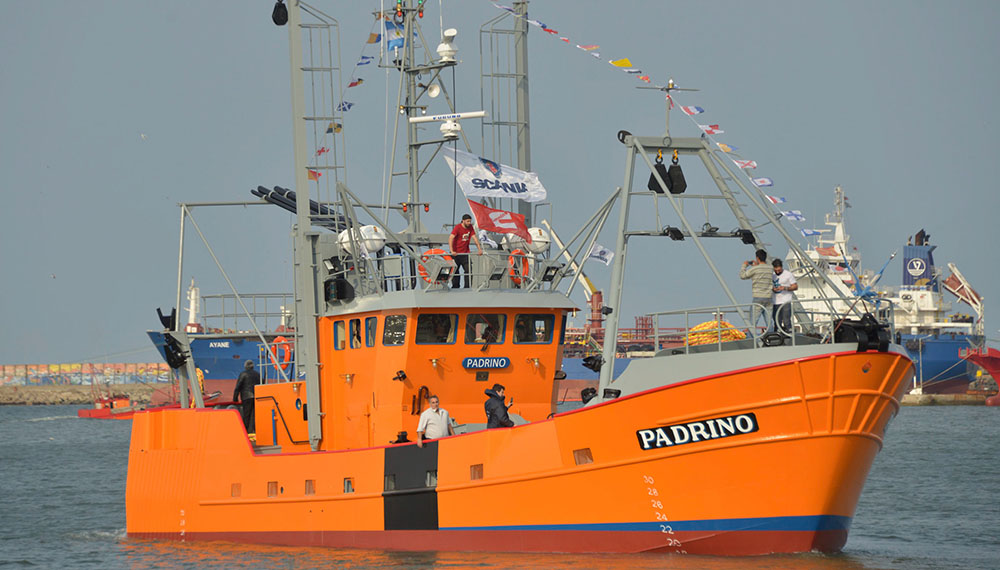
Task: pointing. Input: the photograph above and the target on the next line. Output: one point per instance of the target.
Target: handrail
(282, 417)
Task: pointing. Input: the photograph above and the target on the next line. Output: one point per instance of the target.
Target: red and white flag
(745, 163)
(500, 221)
(711, 129)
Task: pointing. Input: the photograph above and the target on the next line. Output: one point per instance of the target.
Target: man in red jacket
(458, 246)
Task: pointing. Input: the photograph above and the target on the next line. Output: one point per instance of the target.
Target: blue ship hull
(220, 357)
(939, 368)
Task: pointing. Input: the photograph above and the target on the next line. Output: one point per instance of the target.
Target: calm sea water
(932, 501)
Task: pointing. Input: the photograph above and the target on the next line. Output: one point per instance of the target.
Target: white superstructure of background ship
(921, 314)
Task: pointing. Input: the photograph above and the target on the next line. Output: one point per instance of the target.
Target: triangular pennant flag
(624, 62)
(587, 48)
(726, 148)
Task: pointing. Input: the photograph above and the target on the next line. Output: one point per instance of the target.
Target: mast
(409, 105)
(521, 71)
(304, 240)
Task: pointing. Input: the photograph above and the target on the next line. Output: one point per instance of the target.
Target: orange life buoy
(517, 273)
(426, 255)
(283, 345)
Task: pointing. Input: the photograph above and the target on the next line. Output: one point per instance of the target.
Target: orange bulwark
(776, 463)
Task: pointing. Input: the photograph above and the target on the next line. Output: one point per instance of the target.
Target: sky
(114, 112)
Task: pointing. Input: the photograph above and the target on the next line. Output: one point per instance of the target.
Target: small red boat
(111, 407)
(108, 406)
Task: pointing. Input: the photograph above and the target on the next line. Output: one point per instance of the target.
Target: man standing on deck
(458, 245)
(761, 276)
(496, 410)
(434, 422)
(783, 285)
(244, 393)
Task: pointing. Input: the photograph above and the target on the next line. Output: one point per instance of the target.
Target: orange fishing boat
(732, 446)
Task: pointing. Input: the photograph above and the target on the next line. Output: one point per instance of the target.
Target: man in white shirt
(783, 284)
(434, 422)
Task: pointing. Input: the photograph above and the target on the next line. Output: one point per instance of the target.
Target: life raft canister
(426, 255)
(516, 273)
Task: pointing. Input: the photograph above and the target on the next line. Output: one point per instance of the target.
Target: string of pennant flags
(691, 111)
(391, 35)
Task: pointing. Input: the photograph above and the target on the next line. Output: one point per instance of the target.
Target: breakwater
(73, 395)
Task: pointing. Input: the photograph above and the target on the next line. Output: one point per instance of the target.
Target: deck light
(673, 233)
(550, 271)
(611, 393)
(593, 362)
(746, 236)
(280, 13)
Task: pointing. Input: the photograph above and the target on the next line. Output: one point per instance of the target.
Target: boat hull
(938, 364)
(774, 460)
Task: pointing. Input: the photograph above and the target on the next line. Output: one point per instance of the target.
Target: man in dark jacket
(496, 410)
(244, 393)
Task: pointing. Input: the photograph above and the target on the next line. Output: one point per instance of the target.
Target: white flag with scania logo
(478, 176)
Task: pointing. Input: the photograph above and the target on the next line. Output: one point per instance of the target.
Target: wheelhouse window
(483, 328)
(371, 323)
(436, 329)
(535, 329)
(355, 326)
(339, 338)
(394, 332)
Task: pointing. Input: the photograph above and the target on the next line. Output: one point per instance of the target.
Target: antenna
(670, 86)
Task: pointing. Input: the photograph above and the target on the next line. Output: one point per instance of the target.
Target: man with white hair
(434, 422)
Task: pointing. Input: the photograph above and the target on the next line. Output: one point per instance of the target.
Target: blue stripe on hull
(800, 523)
